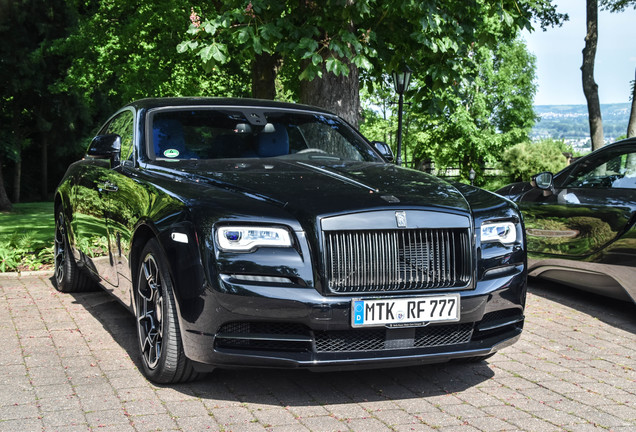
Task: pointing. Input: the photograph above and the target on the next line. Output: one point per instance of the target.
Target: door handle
(108, 187)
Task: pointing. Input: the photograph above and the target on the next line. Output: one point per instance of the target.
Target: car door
(96, 193)
(91, 197)
(116, 183)
(590, 206)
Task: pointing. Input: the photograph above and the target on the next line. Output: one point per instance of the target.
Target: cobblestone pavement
(69, 363)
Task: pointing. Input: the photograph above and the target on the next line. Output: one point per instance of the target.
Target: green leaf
(219, 53)
(213, 53)
(206, 53)
(258, 48)
(330, 64)
(362, 62)
(209, 27)
(316, 59)
(183, 47)
(307, 44)
(244, 34)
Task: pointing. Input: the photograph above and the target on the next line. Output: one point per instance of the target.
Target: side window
(122, 125)
(616, 169)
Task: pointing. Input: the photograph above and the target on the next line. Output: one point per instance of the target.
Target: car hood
(319, 187)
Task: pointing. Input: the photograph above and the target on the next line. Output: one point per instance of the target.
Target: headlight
(245, 238)
(504, 232)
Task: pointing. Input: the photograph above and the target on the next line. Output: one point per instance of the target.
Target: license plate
(396, 311)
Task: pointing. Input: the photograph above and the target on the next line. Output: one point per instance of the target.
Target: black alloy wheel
(160, 344)
(68, 277)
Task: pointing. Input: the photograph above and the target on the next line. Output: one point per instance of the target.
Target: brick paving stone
(234, 415)
(197, 423)
(72, 417)
(288, 428)
(413, 427)
(99, 419)
(143, 407)
(188, 408)
(69, 363)
(324, 423)
(462, 411)
(274, 417)
(367, 425)
(153, 422)
(301, 412)
(348, 411)
(396, 417)
(489, 423)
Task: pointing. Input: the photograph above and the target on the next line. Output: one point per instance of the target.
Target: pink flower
(249, 10)
(195, 18)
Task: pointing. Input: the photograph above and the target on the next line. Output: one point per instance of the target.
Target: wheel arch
(142, 236)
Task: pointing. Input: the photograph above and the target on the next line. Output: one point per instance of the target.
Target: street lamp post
(471, 176)
(401, 82)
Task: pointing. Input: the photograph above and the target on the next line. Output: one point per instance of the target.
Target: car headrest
(274, 143)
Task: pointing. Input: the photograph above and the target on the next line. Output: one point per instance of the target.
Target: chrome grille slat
(397, 260)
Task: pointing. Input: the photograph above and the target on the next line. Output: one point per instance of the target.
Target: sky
(559, 56)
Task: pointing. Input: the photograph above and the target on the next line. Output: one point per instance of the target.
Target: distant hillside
(570, 122)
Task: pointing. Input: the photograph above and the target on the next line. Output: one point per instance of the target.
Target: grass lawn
(26, 237)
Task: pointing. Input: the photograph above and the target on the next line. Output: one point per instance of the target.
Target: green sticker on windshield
(171, 153)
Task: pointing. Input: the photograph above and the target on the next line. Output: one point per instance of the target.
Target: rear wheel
(160, 343)
(68, 277)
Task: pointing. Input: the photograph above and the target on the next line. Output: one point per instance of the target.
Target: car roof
(631, 140)
(150, 103)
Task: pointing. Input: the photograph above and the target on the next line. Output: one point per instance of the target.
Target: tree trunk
(631, 126)
(263, 76)
(5, 203)
(44, 183)
(339, 94)
(590, 88)
(17, 176)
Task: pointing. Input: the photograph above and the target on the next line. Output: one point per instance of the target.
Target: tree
(493, 112)
(631, 126)
(342, 42)
(523, 160)
(125, 50)
(29, 67)
(590, 88)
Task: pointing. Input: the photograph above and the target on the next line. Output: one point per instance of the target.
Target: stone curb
(13, 275)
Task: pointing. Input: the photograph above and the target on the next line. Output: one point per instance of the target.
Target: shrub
(524, 160)
(20, 252)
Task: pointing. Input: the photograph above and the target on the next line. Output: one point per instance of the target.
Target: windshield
(208, 133)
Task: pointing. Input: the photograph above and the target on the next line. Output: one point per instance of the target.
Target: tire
(160, 344)
(69, 277)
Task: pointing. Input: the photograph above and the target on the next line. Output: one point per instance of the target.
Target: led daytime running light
(504, 232)
(246, 238)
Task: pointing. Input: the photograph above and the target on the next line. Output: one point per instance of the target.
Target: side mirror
(545, 182)
(384, 150)
(106, 147)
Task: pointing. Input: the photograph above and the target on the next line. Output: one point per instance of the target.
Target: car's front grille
(397, 260)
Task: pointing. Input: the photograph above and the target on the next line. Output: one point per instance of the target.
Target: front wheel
(160, 343)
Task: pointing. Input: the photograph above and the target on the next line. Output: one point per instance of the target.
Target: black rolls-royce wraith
(252, 233)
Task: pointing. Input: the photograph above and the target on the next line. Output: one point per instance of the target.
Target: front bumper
(291, 327)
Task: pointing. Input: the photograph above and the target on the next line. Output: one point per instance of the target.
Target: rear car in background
(581, 222)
